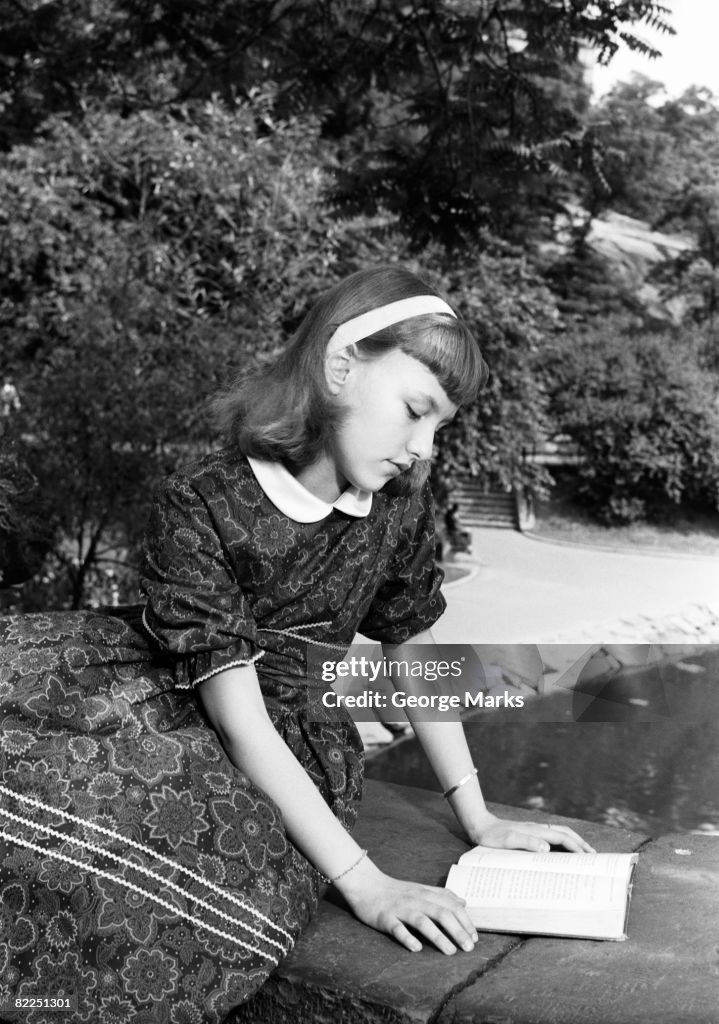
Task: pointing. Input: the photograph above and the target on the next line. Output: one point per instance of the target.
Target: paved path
(529, 591)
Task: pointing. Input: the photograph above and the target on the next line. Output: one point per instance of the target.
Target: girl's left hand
(527, 835)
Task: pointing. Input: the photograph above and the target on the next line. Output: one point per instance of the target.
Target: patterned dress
(141, 872)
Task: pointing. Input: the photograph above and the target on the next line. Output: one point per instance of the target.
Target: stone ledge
(666, 973)
(668, 970)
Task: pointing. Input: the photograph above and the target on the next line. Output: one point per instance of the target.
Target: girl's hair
(284, 412)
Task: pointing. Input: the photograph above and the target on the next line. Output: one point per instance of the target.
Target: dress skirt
(142, 875)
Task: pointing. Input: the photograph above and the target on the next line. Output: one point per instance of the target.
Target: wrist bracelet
(462, 781)
(346, 871)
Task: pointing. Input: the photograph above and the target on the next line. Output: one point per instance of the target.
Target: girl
(174, 795)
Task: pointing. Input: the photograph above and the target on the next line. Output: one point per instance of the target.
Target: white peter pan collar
(295, 501)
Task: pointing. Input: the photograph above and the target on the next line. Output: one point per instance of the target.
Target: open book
(581, 895)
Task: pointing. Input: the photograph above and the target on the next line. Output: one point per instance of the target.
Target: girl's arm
(446, 748)
(233, 702)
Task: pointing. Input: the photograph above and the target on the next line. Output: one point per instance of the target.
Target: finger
(561, 835)
(459, 924)
(424, 924)
(468, 925)
(459, 928)
(518, 839)
(404, 936)
(443, 897)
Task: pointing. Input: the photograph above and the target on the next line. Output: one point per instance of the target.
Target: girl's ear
(337, 368)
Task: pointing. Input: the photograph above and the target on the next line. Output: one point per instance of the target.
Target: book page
(496, 886)
(618, 865)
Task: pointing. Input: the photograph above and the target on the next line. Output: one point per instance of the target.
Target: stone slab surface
(667, 972)
(343, 971)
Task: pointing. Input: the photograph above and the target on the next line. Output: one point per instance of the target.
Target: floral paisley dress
(141, 873)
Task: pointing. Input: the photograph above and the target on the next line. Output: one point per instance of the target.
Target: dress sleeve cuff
(193, 669)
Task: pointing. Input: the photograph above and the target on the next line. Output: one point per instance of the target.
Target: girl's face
(393, 406)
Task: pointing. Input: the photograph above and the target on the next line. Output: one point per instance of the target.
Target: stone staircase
(477, 508)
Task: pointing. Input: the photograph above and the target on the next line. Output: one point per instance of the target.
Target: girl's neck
(322, 479)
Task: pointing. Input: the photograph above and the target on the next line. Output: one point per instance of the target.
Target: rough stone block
(343, 971)
(667, 972)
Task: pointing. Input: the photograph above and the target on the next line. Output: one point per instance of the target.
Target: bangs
(450, 351)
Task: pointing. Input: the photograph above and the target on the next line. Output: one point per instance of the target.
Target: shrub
(143, 261)
(644, 411)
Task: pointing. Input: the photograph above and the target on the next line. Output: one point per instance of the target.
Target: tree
(143, 261)
(24, 538)
(169, 222)
(455, 114)
(661, 166)
(466, 114)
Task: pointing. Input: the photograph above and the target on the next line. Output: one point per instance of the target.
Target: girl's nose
(421, 444)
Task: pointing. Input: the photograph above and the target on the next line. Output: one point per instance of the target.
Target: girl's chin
(395, 484)
(371, 480)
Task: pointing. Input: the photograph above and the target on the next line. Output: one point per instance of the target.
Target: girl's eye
(412, 413)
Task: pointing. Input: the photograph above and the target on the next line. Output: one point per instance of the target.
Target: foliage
(471, 113)
(645, 415)
(24, 536)
(205, 171)
(143, 260)
(451, 113)
(146, 259)
(512, 314)
(653, 143)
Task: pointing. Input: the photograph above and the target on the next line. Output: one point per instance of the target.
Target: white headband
(385, 316)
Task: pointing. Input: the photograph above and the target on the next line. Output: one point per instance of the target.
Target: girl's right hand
(393, 905)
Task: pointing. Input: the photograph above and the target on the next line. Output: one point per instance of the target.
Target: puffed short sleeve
(409, 600)
(195, 607)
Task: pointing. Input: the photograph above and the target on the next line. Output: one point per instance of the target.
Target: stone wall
(667, 972)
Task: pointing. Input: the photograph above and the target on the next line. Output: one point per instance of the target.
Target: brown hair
(284, 412)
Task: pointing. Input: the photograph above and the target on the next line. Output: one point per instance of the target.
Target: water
(641, 752)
